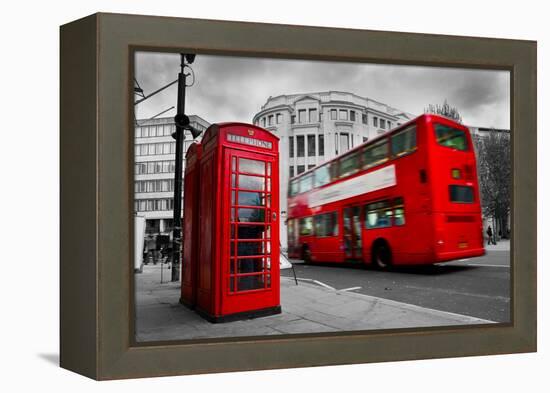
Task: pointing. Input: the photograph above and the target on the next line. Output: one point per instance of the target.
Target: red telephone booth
(190, 225)
(238, 247)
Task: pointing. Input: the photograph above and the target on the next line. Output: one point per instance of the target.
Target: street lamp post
(182, 123)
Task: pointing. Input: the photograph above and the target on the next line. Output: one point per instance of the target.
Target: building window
(144, 205)
(300, 145)
(365, 139)
(375, 121)
(291, 171)
(321, 145)
(333, 114)
(382, 124)
(279, 118)
(344, 142)
(336, 143)
(389, 125)
(151, 149)
(300, 169)
(263, 121)
(313, 115)
(270, 120)
(352, 115)
(311, 145)
(292, 119)
(364, 118)
(310, 166)
(162, 185)
(302, 116)
(291, 146)
(343, 114)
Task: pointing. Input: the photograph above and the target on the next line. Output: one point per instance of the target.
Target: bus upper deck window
(349, 164)
(322, 175)
(451, 137)
(306, 183)
(376, 154)
(404, 141)
(293, 187)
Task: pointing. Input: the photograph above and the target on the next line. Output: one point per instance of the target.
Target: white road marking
(487, 265)
(475, 264)
(349, 289)
(322, 284)
(470, 264)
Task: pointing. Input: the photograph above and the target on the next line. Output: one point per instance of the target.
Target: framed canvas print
(242, 196)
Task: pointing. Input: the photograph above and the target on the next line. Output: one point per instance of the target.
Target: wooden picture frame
(96, 315)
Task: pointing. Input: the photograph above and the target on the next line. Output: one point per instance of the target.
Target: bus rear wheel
(381, 255)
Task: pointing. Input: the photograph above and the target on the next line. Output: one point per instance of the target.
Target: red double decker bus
(409, 196)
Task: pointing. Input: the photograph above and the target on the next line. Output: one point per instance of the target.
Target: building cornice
(275, 108)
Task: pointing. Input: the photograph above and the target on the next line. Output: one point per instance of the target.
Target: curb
(393, 303)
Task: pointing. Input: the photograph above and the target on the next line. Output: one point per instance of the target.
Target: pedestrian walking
(490, 239)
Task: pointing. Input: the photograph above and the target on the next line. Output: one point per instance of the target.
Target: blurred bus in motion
(409, 196)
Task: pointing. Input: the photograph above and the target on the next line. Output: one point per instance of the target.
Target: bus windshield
(451, 137)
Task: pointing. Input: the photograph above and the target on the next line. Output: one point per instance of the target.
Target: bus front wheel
(306, 255)
(381, 255)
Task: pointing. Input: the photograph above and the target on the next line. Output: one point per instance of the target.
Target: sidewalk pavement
(306, 308)
(502, 245)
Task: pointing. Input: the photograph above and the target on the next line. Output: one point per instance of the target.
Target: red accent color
(435, 228)
(237, 259)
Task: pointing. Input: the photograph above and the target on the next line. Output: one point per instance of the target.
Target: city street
(333, 297)
(477, 287)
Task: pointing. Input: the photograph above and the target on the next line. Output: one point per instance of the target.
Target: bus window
(376, 154)
(326, 224)
(306, 183)
(322, 175)
(451, 137)
(334, 170)
(404, 141)
(398, 212)
(293, 187)
(378, 215)
(461, 194)
(349, 164)
(305, 226)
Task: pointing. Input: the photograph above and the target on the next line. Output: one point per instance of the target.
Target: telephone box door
(250, 266)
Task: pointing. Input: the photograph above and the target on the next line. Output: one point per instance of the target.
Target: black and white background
(30, 167)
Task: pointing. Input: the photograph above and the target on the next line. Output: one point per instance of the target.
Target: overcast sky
(231, 88)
